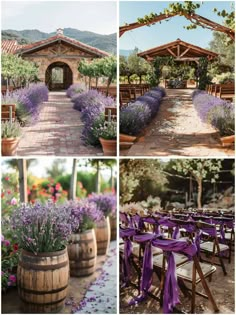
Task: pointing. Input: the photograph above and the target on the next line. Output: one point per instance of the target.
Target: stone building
(57, 58)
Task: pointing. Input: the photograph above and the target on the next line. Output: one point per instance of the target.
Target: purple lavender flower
(76, 88)
(134, 117)
(41, 227)
(105, 202)
(84, 215)
(215, 111)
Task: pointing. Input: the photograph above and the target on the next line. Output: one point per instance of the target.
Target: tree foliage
(20, 71)
(199, 169)
(135, 173)
(134, 65)
(98, 68)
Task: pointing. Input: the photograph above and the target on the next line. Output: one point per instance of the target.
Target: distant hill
(103, 42)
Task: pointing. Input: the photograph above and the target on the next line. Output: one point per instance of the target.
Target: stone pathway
(177, 130)
(57, 131)
(101, 297)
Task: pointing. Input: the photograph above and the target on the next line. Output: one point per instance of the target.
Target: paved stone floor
(57, 131)
(177, 130)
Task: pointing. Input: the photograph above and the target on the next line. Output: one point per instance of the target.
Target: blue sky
(47, 16)
(159, 34)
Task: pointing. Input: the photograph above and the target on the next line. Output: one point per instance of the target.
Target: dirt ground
(222, 288)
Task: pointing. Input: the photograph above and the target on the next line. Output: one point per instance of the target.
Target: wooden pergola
(179, 50)
(193, 17)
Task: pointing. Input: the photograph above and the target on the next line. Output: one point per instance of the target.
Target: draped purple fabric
(124, 218)
(126, 233)
(170, 247)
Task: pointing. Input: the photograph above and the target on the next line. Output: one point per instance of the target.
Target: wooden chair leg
(193, 301)
(220, 258)
(204, 284)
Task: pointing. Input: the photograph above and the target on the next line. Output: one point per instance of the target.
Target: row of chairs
(191, 231)
(223, 91)
(129, 92)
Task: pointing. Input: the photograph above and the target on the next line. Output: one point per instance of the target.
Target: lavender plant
(91, 98)
(74, 89)
(105, 202)
(27, 101)
(134, 117)
(84, 215)
(10, 129)
(159, 89)
(151, 102)
(41, 227)
(215, 111)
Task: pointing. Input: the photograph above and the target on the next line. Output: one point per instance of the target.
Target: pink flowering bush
(9, 261)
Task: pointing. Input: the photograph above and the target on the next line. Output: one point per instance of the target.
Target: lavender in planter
(134, 117)
(106, 203)
(84, 215)
(41, 228)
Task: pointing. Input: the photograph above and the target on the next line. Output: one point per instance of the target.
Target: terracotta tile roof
(9, 46)
(25, 48)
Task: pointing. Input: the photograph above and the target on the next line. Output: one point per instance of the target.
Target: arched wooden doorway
(58, 76)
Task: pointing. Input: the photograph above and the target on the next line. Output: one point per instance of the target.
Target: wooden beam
(204, 22)
(183, 53)
(171, 52)
(178, 50)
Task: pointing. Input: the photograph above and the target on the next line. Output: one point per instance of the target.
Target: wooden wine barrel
(42, 281)
(82, 251)
(113, 228)
(103, 236)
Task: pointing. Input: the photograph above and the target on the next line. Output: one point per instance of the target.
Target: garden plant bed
(177, 130)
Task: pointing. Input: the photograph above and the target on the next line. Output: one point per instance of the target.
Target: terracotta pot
(227, 141)
(42, 281)
(108, 146)
(127, 138)
(103, 236)
(82, 251)
(9, 146)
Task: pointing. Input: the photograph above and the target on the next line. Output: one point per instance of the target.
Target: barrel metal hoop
(43, 292)
(42, 304)
(29, 266)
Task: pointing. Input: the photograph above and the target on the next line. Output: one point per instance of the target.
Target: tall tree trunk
(89, 83)
(97, 177)
(73, 180)
(112, 178)
(22, 179)
(97, 82)
(199, 195)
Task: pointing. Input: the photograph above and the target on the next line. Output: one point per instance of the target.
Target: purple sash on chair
(125, 234)
(169, 247)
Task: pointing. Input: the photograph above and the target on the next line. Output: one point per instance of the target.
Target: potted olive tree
(82, 247)
(42, 232)
(11, 132)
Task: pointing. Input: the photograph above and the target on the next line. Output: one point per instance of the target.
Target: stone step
(58, 102)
